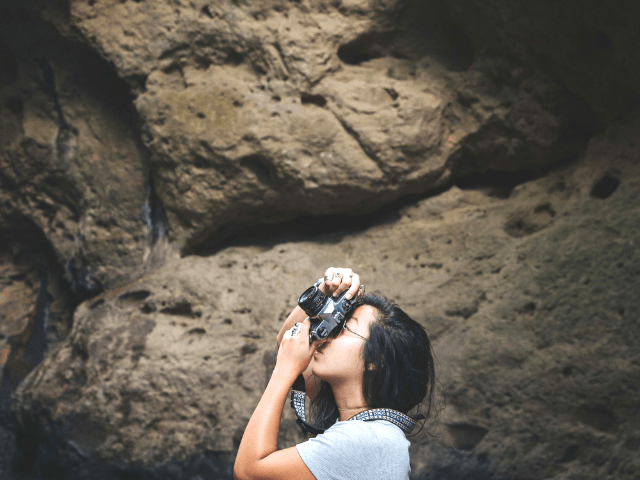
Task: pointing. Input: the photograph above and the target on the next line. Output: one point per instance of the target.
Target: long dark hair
(399, 371)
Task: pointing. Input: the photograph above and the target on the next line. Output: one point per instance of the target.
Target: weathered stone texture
(137, 137)
(535, 353)
(591, 46)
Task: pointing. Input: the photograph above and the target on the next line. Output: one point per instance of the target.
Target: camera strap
(405, 422)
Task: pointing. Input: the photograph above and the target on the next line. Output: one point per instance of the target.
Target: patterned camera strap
(405, 422)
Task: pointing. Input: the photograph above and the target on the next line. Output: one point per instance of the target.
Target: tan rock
(70, 163)
(524, 328)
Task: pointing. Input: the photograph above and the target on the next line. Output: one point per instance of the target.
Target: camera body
(326, 313)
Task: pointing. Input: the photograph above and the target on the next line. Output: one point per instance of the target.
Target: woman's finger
(346, 275)
(328, 278)
(355, 286)
(335, 282)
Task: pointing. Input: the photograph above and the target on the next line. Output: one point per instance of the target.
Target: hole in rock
(205, 11)
(182, 309)
(259, 166)
(362, 49)
(606, 186)
(148, 308)
(249, 349)
(136, 295)
(307, 98)
(197, 331)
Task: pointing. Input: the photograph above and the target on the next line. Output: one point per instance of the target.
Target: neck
(349, 399)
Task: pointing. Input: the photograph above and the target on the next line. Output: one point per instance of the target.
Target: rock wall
(172, 175)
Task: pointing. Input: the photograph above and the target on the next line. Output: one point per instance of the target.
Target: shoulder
(376, 437)
(380, 432)
(368, 447)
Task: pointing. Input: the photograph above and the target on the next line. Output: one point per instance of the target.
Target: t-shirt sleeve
(350, 450)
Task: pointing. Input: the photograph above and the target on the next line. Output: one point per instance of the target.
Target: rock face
(536, 356)
(251, 114)
(70, 166)
(35, 306)
(173, 174)
(591, 46)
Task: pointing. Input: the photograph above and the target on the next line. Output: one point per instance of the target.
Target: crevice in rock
(499, 184)
(135, 296)
(41, 335)
(606, 185)
(153, 211)
(30, 247)
(82, 281)
(364, 48)
(66, 144)
(49, 87)
(331, 228)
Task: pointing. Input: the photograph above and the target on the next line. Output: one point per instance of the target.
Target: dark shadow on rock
(446, 463)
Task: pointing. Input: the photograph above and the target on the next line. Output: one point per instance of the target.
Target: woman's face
(340, 359)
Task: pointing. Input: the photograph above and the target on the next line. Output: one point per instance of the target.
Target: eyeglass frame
(344, 327)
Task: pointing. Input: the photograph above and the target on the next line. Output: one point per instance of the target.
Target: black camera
(325, 313)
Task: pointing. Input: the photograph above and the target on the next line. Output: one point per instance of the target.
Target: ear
(372, 366)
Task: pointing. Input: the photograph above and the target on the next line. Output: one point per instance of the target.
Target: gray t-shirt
(355, 449)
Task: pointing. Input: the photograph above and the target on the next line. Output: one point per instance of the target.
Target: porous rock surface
(536, 355)
(70, 166)
(132, 131)
(242, 113)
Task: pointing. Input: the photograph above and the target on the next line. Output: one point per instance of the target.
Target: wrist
(285, 374)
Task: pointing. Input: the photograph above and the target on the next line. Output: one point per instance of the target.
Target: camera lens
(312, 301)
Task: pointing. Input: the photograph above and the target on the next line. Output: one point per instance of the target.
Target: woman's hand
(337, 280)
(295, 352)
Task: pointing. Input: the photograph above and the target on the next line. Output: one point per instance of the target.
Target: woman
(380, 359)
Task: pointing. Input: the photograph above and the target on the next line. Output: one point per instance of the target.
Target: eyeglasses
(344, 327)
